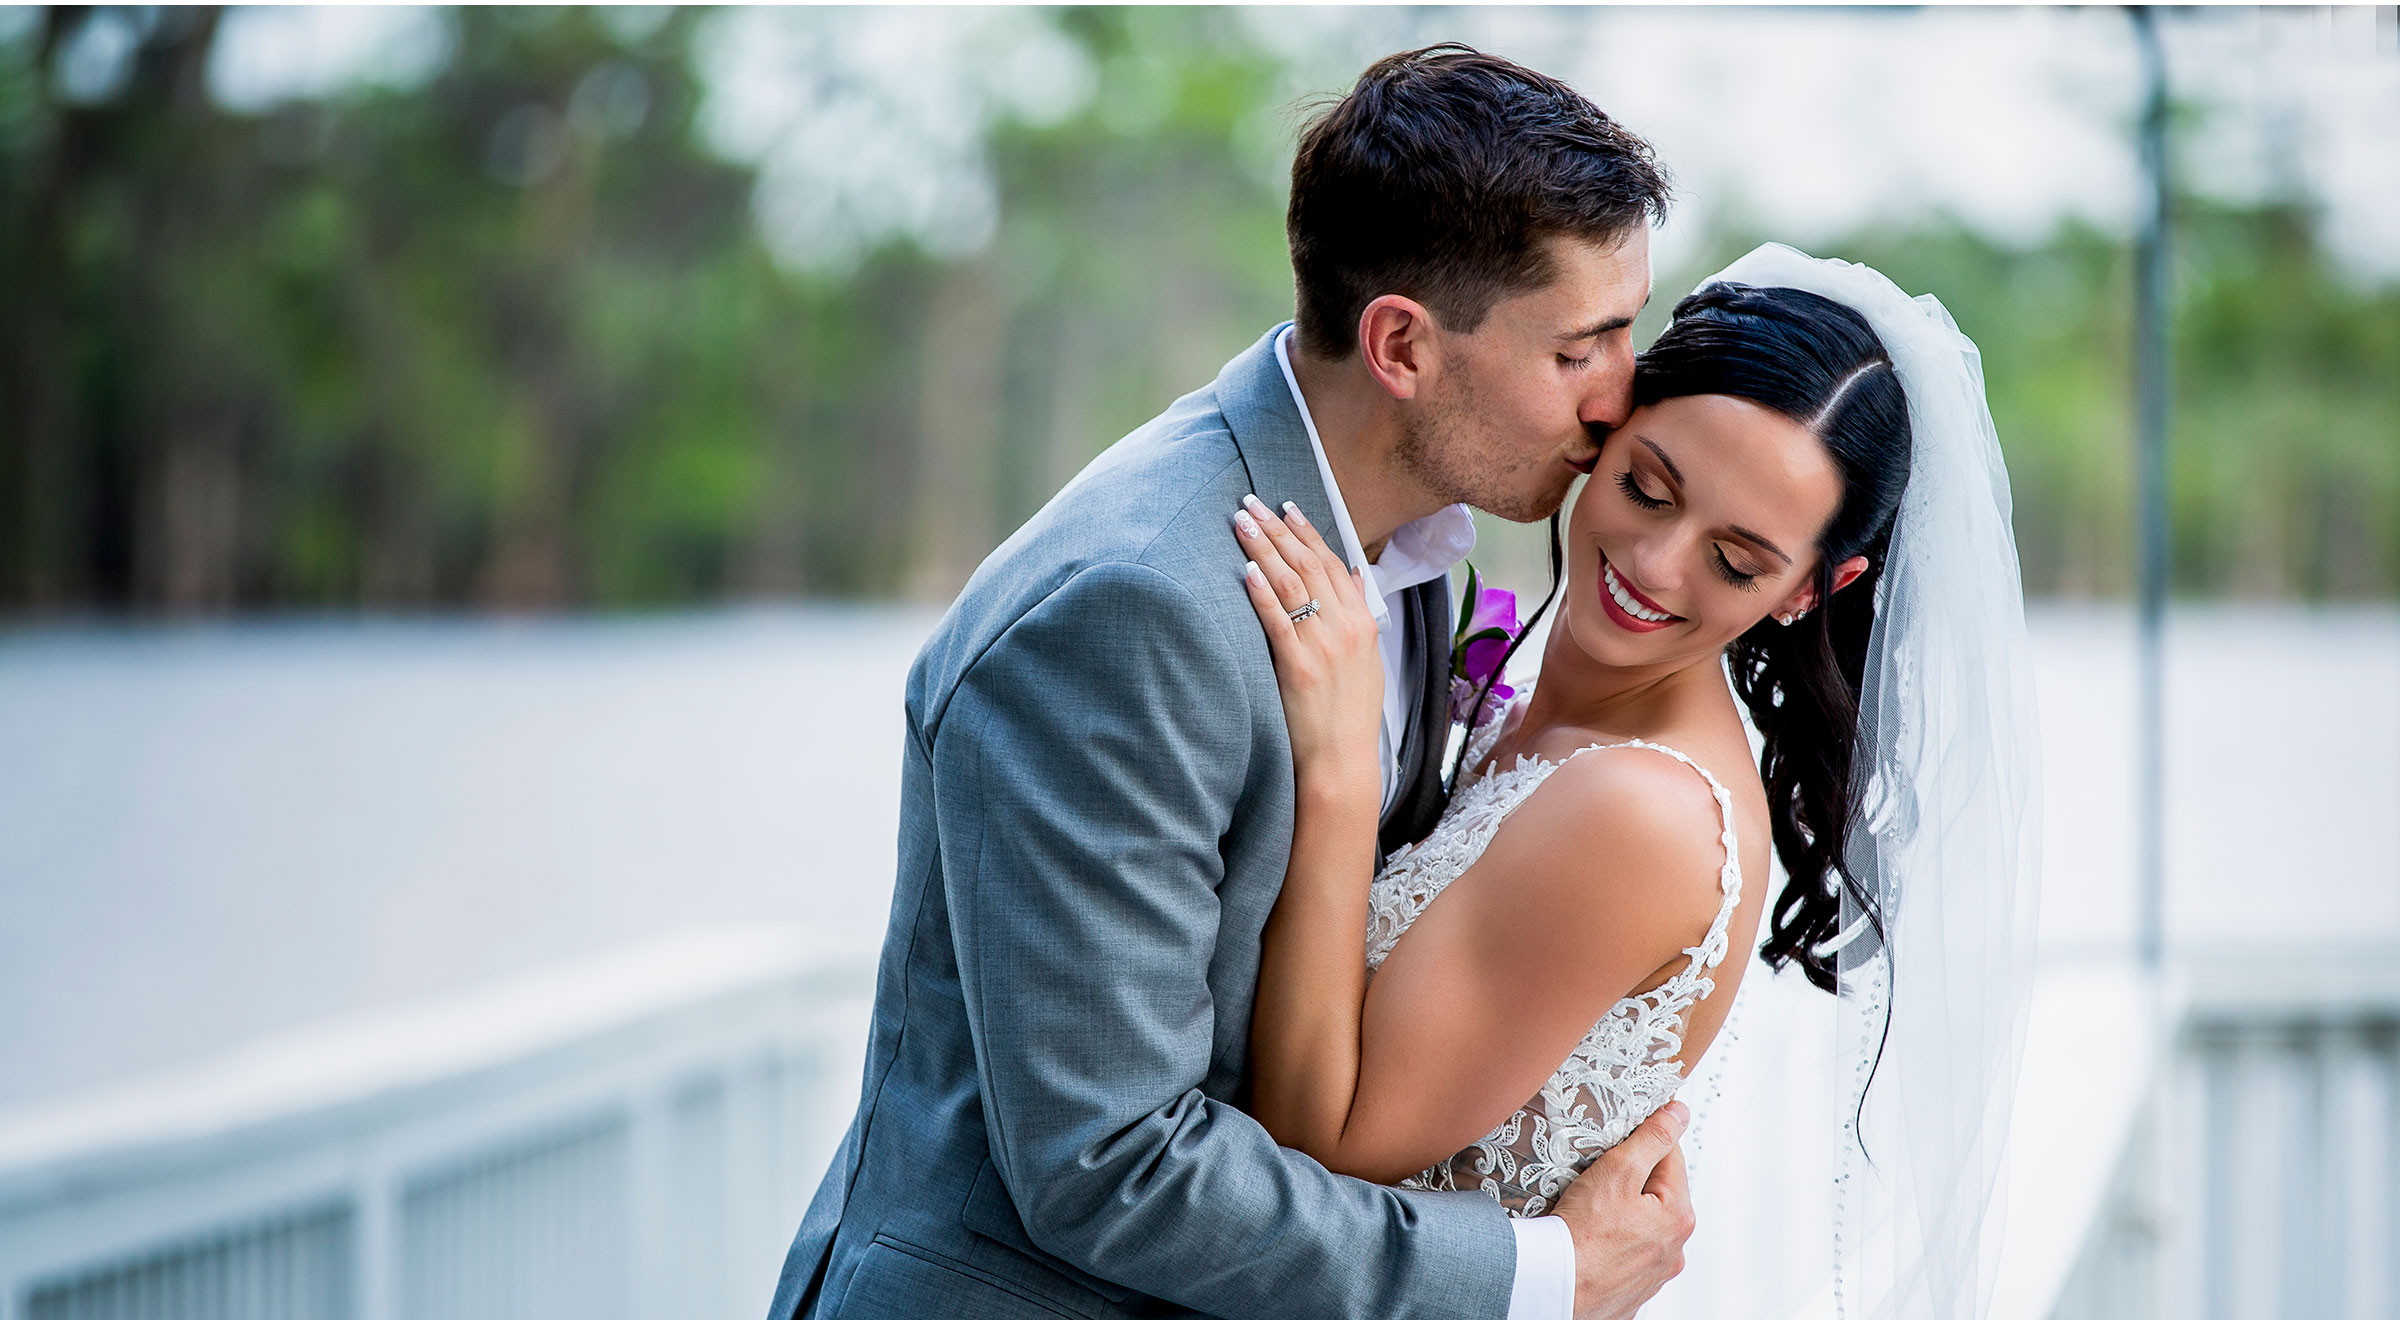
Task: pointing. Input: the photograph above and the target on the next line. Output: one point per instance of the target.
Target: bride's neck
(1579, 692)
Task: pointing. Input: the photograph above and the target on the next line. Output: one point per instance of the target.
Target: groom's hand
(1630, 1213)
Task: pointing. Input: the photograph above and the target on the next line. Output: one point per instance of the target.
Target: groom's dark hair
(1440, 176)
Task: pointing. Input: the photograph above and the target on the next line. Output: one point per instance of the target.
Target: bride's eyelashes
(1633, 491)
(1576, 363)
(1733, 576)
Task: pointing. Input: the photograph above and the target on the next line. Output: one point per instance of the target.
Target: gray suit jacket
(1096, 811)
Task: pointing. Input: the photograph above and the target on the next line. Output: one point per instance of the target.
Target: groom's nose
(1610, 399)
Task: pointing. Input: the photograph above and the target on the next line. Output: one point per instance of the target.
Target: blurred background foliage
(511, 337)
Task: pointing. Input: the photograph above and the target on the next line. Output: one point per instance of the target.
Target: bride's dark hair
(1819, 363)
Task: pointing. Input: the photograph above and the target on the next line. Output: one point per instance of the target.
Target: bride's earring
(1787, 620)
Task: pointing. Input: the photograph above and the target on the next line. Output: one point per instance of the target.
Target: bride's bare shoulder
(1599, 877)
(1632, 826)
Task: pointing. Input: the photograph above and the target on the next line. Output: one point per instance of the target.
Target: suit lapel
(1267, 432)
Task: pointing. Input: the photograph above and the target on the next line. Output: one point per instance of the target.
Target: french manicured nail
(1291, 513)
(1256, 506)
(1244, 523)
(1252, 575)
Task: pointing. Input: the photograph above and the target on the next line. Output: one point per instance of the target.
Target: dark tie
(1418, 797)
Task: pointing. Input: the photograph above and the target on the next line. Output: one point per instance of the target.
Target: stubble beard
(1438, 449)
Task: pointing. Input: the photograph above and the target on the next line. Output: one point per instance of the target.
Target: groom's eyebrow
(1599, 328)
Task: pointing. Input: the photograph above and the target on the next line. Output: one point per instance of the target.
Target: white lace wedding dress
(1625, 1067)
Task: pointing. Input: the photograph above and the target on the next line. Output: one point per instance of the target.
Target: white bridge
(634, 1137)
(635, 1134)
(2259, 1173)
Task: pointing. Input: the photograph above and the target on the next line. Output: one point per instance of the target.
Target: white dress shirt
(1419, 552)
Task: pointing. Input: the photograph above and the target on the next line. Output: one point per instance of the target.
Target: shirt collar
(1419, 551)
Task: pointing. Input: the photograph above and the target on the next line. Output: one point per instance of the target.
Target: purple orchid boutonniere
(1487, 623)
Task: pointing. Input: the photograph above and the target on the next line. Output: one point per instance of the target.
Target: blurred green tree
(512, 338)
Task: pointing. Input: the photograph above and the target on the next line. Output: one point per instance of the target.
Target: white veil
(1947, 756)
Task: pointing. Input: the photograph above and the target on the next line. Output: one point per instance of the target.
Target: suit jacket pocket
(989, 1213)
(895, 1279)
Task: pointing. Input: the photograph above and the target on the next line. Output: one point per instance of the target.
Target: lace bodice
(1625, 1067)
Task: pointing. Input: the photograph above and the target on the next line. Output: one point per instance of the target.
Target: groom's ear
(1396, 340)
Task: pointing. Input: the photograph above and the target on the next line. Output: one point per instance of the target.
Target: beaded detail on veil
(1625, 1068)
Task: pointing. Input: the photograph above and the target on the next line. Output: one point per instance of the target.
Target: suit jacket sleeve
(1086, 767)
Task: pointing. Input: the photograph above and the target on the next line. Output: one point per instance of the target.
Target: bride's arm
(1590, 891)
(1496, 983)
(1312, 974)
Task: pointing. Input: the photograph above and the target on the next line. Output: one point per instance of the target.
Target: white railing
(633, 1137)
(637, 1137)
(2263, 1179)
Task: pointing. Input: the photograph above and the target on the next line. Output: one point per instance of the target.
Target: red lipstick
(1615, 596)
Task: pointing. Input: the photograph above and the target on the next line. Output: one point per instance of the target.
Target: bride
(1804, 519)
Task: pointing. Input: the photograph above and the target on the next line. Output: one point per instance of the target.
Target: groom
(1097, 786)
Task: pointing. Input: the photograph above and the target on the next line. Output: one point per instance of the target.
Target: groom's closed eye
(1607, 326)
(1588, 340)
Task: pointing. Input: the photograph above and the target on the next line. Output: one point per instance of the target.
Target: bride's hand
(1326, 664)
